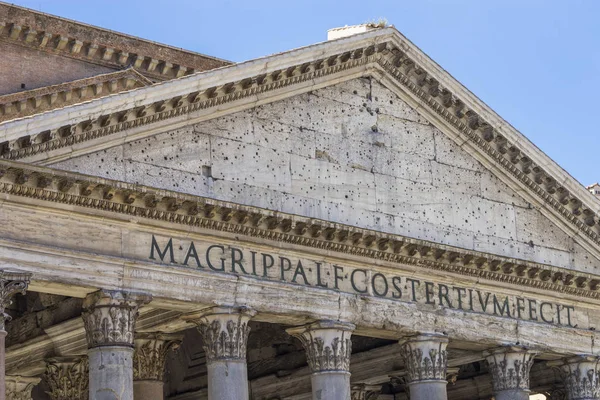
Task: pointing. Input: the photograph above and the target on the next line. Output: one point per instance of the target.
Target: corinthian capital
(11, 283)
(110, 317)
(224, 331)
(365, 392)
(509, 368)
(425, 357)
(327, 344)
(150, 353)
(19, 387)
(580, 377)
(67, 378)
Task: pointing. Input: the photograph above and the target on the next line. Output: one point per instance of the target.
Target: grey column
(328, 349)
(67, 378)
(149, 363)
(425, 361)
(109, 320)
(509, 369)
(10, 284)
(19, 387)
(224, 333)
(581, 377)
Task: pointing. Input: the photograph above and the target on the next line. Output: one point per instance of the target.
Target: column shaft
(227, 380)
(109, 320)
(111, 373)
(330, 385)
(224, 333)
(426, 360)
(328, 349)
(148, 390)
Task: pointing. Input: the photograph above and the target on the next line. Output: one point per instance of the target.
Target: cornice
(22, 104)
(91, 193)
(73, 39)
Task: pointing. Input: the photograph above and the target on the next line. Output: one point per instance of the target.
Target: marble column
(109, 320)
(580, 376)
(19, 387)
(11, 283)
(328, 349)
(224, 333)
(509, 369)
(67, 378)
(149, 363)
(425, 361)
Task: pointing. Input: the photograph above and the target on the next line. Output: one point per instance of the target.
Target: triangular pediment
(353, 153)
(416, 96)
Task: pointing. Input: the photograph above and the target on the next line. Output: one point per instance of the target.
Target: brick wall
(37, 69)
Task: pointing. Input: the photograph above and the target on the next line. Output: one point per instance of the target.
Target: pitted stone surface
(352, 153)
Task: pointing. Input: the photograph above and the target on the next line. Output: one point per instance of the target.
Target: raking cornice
(89, 193)
(22, 104)
(266, 79)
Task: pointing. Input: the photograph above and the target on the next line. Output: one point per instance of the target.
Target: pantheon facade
(340, 221)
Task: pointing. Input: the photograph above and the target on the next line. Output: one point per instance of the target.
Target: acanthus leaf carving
(11, 283)
(509, 368)
(150, 353)
(580, 376)
(20, 387)
(327, 344)
(67, 378)
(224, 331)
(425, 357)
(365, 392)
(109, 317)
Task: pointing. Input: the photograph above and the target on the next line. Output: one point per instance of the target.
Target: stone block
(389, 104)
(107, 163)
(181, 149)
(448, 152)
(406, 136)
(450, 179)
(250, 164)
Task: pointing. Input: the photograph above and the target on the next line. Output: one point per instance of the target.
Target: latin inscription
(230, 259)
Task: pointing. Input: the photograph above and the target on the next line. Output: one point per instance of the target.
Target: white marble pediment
(353, 153)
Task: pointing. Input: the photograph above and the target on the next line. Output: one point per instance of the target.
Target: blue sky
(535, 62)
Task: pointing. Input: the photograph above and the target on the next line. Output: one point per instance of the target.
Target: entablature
(90, 195)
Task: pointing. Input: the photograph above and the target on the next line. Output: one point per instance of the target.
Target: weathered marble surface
(353, 153)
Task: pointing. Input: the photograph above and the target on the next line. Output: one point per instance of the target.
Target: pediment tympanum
(352, 153)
